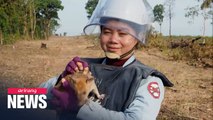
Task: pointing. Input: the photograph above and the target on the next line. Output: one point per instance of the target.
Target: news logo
(26, 98)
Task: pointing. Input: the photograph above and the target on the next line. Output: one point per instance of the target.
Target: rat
(83, 85)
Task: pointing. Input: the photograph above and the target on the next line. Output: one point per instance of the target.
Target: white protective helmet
(136, 13)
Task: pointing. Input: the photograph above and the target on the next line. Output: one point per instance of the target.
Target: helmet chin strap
(112, 55)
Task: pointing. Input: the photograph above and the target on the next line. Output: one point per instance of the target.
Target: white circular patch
(154, 90)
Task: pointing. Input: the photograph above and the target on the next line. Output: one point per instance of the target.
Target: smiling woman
(117, 39)
(131, 89)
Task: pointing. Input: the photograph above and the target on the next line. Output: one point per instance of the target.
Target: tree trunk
(47, 28)
(1, 37)
(204, 26)
(170, 22)
(25, 31)
(32, 19)
(212, 17)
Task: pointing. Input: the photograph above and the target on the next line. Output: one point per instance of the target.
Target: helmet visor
(136, 13)
(137, 31)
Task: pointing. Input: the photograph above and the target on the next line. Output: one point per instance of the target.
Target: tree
(211, 13)
(169, 13)
(1, 37)
(32, 17)
(27, 19)
(192, 12)
(205, 16)
(90, 7)
(10, 20)
(195, 11)
(206, 4)
(158, 14)
(46, 12)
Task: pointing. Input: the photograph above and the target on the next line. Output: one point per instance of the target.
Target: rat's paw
(101, 97)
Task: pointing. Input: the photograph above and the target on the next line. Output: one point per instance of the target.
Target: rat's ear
(90, 78)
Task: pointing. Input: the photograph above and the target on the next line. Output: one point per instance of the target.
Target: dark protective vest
(119, 84)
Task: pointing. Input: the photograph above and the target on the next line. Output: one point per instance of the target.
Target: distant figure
(44, 45)
(65, 33)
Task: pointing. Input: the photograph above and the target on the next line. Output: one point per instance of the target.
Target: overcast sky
(73, 18)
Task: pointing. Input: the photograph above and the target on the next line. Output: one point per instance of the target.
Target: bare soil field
(25, 64)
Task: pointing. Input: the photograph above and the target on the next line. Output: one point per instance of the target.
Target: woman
(132, 90)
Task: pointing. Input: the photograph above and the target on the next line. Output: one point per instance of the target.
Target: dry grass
(25, 64)
(196, 54)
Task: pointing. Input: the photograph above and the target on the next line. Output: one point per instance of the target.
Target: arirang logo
(21, 98)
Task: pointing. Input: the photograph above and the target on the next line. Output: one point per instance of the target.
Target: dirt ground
(25, 64)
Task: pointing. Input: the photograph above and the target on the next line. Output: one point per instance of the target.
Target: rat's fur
(83, 84)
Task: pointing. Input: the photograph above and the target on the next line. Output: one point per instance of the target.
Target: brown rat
(83, 84)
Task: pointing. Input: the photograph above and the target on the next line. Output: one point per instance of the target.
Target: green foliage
(47, 13)
(192, 12)
(195, 11)
(90, 7)
(206, 4)
(28, 18)
(158, 13)
(48, 9)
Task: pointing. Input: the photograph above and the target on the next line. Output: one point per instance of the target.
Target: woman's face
(115, 38)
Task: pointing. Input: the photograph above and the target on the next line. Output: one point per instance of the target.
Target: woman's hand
(76, 65)
(65, 100)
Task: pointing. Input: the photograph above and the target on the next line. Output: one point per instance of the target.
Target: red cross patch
(154, 89)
